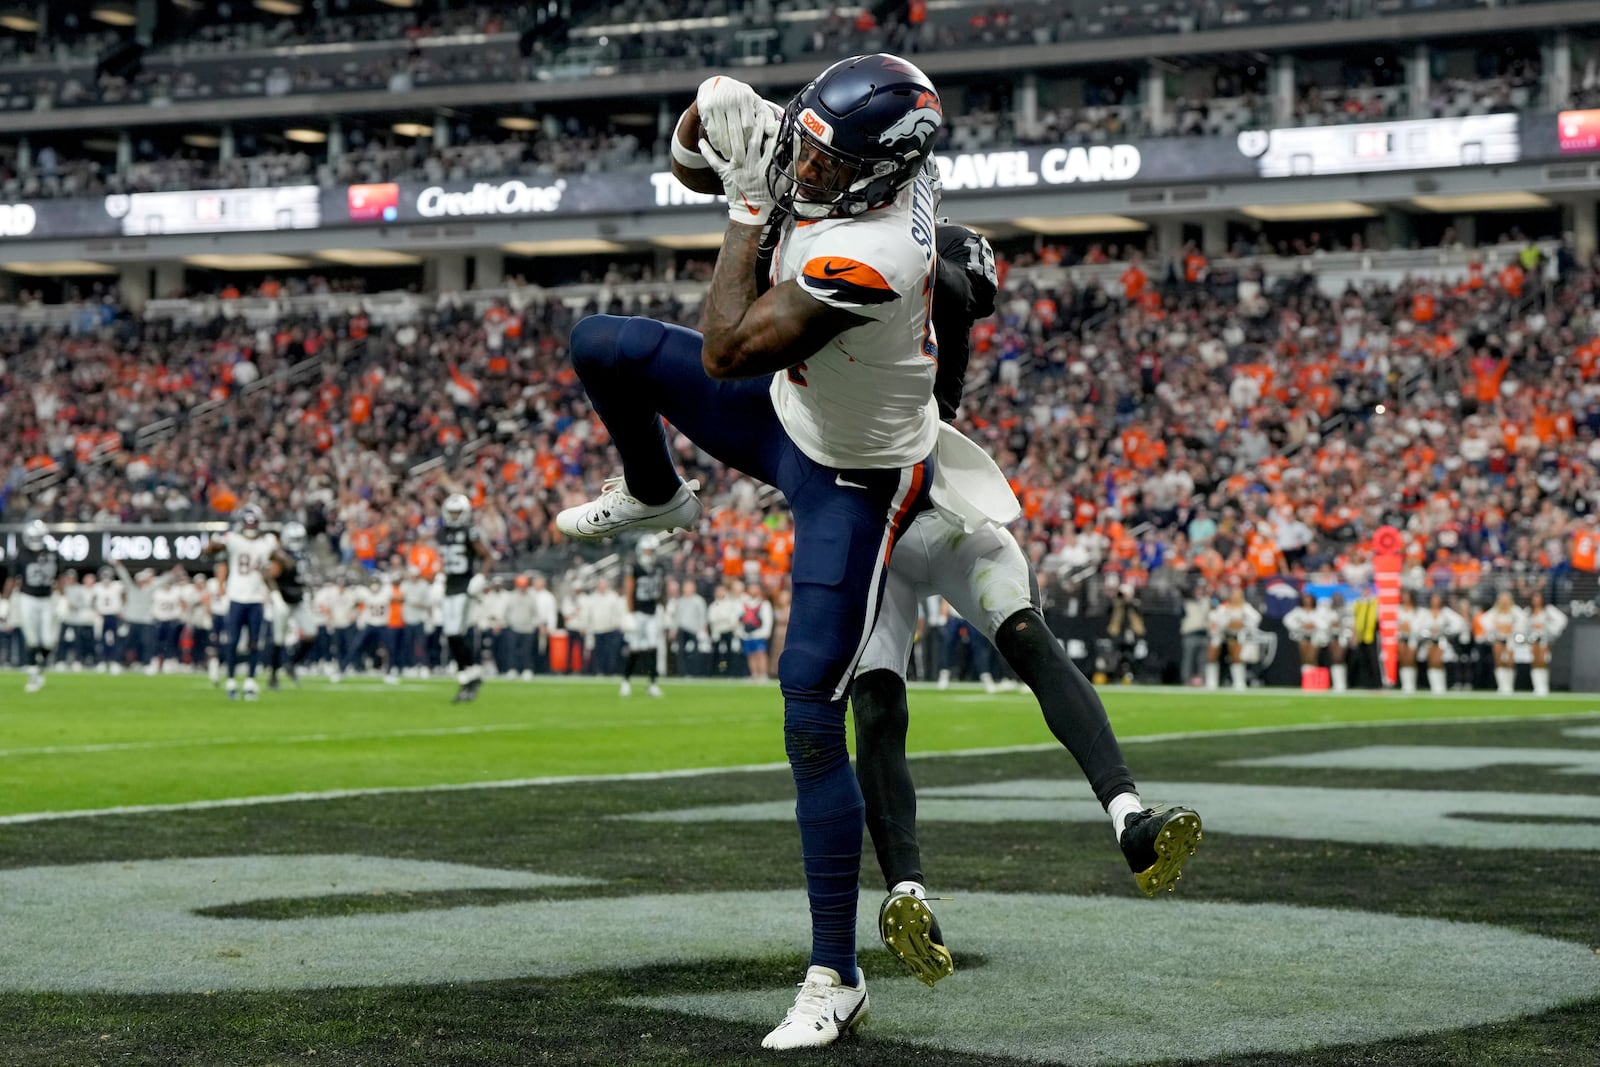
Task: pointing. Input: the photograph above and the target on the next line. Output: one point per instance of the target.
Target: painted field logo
(138, 928)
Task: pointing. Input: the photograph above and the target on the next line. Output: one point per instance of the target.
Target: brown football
(688, 133)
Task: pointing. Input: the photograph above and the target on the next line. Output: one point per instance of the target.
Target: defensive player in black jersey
(644, 587)
(983, 571)
(293, 625)
(34, 574)
(465, 559)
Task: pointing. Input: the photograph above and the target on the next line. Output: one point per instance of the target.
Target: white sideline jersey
(248, 559)
(866, 399)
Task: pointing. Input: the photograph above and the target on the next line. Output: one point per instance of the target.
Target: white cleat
(616, 510)
(232, 690)
(625, 690)
(35, 683)
(527, 676)
(214, 671)
(824, 1011)
(391, 679)
(944, 679)
(655, 690)
(251, 690)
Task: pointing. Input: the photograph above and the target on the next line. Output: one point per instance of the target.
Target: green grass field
(1383, 881)
(88, 741)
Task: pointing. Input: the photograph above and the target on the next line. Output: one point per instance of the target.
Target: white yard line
(698, 772)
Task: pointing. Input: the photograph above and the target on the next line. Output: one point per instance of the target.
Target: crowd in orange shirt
(1161, 428)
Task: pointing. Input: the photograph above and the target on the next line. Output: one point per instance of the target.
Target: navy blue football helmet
(854, 137)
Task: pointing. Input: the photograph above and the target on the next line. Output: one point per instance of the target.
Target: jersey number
(40, 572)
(246, 563)
(455, 559)
(794, 373)
(930, 344)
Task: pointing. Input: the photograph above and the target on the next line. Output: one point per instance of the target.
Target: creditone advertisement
(1253, 155)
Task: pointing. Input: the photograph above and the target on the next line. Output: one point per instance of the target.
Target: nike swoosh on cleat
(845, 1022)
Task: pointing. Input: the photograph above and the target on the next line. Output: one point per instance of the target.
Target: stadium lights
(114, 13)
(202, 140)
(689, 242)
(302, 135)
(1513, 201)
(570, 246)
(1311, 212)
(520, 123)
(368, 257)
(279, 7)
(247, 261)
(412, 129)
(400, 3)
(20, 20)
(70, 267)
(1081, 224)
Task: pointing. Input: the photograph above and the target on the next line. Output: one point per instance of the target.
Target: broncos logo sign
(916, 125)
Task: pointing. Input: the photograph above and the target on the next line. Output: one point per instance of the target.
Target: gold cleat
(910, 931)
(1157, 843)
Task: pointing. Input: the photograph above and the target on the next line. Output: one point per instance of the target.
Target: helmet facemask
(813, 180)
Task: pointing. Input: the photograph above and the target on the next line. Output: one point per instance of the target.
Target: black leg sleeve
(1071, 706)
(460, 651)
(878, 702)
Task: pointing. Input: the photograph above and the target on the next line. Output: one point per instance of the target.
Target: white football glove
(744, 170)
(476, 586)
(728, 109)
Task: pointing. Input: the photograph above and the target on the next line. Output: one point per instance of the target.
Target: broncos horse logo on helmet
(853, 138)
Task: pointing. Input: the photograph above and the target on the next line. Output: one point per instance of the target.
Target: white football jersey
(375, 607)
(199, 607)
(248, 558)
(217, 596)
(108, 598)
(866, 399)
(166, 604)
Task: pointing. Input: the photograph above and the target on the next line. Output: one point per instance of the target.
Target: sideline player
(465, 559)
(294, 623)
(250, 552)
(643, 588)
(35, 579)
(821, 386)
(962, 551)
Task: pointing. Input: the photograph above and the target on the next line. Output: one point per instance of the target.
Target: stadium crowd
(1179, 422)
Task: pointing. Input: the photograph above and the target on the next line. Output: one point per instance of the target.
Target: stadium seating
(1254, 419)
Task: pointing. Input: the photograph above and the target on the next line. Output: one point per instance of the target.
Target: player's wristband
(687, 156)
